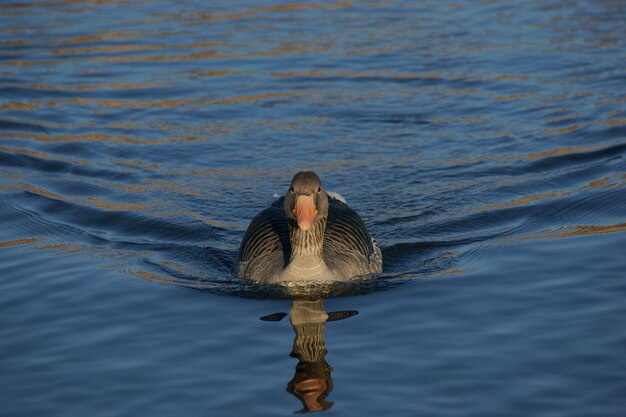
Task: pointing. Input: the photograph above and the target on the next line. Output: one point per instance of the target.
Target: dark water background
(482, 142)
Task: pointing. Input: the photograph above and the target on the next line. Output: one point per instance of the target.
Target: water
(482, 143)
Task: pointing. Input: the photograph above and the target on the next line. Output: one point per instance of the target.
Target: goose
(307, 235)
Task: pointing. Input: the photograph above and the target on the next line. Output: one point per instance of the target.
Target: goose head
(306, 201)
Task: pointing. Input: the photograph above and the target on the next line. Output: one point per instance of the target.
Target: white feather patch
(272, 199)
(337, 196)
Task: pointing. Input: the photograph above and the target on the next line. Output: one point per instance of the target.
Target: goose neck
(307, 244)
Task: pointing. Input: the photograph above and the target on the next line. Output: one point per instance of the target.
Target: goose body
(307, 235)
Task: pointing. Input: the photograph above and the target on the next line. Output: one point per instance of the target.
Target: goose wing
(265, 248)
(348, 247)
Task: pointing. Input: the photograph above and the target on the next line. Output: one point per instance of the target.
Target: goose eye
(292, 189)
(319, 189)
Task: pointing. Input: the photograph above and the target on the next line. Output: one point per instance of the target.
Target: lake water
(483, 143)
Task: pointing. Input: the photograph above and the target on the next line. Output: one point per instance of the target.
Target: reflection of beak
(305, 211)
(310, 391)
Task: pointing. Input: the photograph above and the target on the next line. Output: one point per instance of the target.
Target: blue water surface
(483, 143)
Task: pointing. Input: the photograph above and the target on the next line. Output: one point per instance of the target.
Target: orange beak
(305, 211)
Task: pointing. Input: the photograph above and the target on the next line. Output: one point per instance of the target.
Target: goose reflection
(312, 381)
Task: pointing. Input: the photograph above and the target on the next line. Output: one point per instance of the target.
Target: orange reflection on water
(118, 86)
(22, 63)
(564, 130)
(133, 104)
(16, 105)
(87, 201)
(97, 202)
(511, 77)
(34, 189)
(615, 122)
(206, 220)
(152, 277)
(535, 155)
(17, 42)
(62, 248)
(557, 151)
(214, 73)
(515, 96)
(598, 183)
(19, 242)
(134, 163)
(524, 200)
(226, 15)
(100, 37)
(42, 155)
(257, 97)
(134, 48)
(570, 231)
(162, 58)
(89, 137)
(113, 48)
(172, 186)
